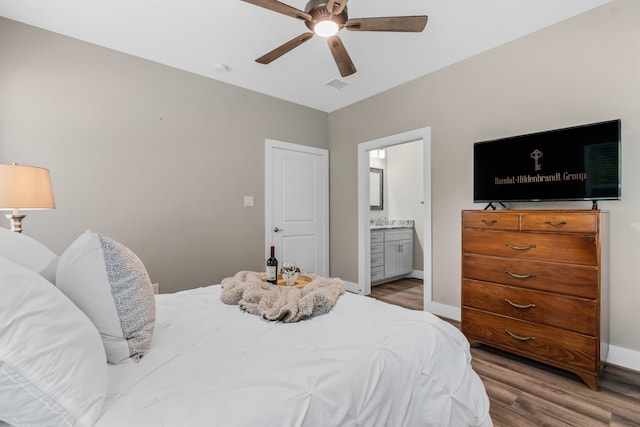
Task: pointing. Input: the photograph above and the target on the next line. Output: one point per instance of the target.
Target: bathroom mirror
(375, 189)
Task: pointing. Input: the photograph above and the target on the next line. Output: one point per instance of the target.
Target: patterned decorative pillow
(110, 284)
(53, 368)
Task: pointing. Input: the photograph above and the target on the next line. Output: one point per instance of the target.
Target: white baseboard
(356, 288)
(448, 311)
(623, 357)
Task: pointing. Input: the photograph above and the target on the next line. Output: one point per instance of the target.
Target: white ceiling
(200, 35)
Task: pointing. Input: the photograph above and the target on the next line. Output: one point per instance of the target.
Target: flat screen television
(575, 163)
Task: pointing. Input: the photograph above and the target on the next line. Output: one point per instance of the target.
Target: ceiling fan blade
(336, 7)
(285, 9)
(411, 24)
(281, 50)
(340, 55)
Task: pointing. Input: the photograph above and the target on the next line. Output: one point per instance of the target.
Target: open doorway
(423, 136)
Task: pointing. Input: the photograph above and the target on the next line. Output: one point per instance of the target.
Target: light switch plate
(248, 201)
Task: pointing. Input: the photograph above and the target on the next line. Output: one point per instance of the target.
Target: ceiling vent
(337, 84)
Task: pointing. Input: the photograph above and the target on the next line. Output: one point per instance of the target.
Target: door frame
(270, 145)
(364, 214)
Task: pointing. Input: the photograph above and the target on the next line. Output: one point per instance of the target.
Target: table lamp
(24, 187)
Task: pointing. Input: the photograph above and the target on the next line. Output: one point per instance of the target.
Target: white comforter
(366, 363)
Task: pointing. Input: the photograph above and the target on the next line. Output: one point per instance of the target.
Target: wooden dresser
(535, 283)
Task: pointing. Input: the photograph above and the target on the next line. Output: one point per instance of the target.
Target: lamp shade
(25, 187)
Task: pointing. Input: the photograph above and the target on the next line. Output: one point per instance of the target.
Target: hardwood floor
(406, 293)
(525, 393)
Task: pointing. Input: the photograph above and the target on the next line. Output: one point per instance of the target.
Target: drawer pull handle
(520, 248)
(489, 221)
(520, 276)
(556, 224)
(518, 337)
(523, 307)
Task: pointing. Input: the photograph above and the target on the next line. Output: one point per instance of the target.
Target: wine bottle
(272, 268)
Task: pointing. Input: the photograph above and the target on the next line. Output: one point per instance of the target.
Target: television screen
(576, 163)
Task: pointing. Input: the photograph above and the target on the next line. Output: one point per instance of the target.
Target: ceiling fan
(326, 18)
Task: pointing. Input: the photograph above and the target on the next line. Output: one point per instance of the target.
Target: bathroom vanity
(391, 253)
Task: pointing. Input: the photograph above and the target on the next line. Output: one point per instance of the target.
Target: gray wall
(156, 158)
(160, 159)
(583, 70)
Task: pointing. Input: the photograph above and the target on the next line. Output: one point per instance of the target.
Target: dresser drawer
(393, 235)
(377, 248)
(544, 343)
(568, 279)
(377, 237)
(490, 220)
(575, 314)
(570, 248)
(377, 273)
(559, 222)
(377, 260)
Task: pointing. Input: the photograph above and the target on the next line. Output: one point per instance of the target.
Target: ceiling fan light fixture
(326, 28)
(326, 18)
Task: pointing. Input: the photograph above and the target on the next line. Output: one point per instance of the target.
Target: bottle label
(271, 273)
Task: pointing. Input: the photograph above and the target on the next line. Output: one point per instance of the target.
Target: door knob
(277, 230)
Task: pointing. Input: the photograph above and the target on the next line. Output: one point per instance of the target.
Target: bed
(364, 363)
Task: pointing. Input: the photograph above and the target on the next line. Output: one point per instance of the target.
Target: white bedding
(366, 363)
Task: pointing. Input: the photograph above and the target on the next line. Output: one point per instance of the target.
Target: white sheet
(366, 363)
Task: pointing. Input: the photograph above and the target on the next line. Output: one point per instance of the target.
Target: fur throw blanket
(288, 303)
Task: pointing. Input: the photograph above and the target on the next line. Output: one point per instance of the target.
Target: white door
(297, 205)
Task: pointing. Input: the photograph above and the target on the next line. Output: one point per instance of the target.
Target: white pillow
(109, 283)
(53, 369)
(28, 252)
